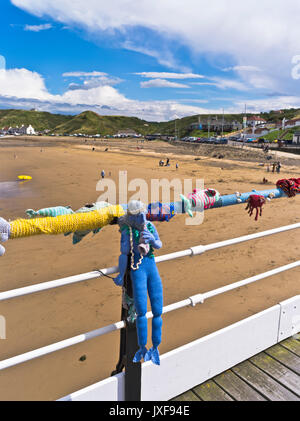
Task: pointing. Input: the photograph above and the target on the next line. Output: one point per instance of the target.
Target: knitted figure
(291, 186)
(255, 202)
(53, 212)
(139, 238)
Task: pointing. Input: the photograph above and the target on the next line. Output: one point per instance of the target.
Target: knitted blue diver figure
(139, 238)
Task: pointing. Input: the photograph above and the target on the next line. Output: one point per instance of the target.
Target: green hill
(39, 120)
(91, 123)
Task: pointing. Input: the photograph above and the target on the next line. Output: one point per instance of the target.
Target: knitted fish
(79, 235)
(53, 212)
(204, 199)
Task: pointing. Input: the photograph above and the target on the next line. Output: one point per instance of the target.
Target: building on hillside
(255, 121)
(216, 124)
(261, 131)
(29, 130)
(254, 133)
(292, 123)
(296, 138)
(127, 133)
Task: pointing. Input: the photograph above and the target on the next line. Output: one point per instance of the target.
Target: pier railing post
(129, 344)
(133, 371)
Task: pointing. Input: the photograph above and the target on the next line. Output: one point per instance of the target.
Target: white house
(292, 123)
(29, 130)
(255, 121)
(296, 138)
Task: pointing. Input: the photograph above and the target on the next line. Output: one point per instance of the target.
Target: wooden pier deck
(272, 375)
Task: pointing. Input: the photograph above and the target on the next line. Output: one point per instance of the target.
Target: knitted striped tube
(65, 223)
(203, 199)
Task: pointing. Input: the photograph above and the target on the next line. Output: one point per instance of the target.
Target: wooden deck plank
(284, 356)
(264, 384)
(237, 388)
(278, 372)
(292, 345)
(210, 391)
(187, 397)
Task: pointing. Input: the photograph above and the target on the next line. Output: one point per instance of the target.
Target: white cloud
(84, 74)
(38, 28)
(243, 69)
(164, 56)
(16, 82)
(261, 32)
(166, 75)
(23, 88)
(92, 79)
(274, 103)
(224, 84)
(162, 83)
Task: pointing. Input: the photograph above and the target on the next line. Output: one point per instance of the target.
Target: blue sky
(156, 60)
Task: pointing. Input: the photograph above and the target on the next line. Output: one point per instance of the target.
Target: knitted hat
(135, 207)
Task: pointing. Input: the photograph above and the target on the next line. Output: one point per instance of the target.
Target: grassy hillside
(277, 133)
(39, 120)
(289, 114)
(90, 122)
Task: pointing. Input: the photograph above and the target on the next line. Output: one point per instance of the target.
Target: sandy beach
(66, 173)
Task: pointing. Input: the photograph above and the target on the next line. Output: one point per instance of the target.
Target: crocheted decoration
(145, 277)
(136, 234)
(53, 212)
(128, 303)
(160, 212)
(4, 230)
(65, 223)
(290, 186)
(79, 235)
(4, 234)
(203, 199)
(255, 201)
(200, 200)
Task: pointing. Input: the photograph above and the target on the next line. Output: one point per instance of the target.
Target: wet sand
(67, 175)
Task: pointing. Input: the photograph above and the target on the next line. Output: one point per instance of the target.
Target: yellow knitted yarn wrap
(65, 223)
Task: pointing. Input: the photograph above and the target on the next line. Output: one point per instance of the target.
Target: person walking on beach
(176, 165)
(278, 166)
(274, 166)
(102, 173)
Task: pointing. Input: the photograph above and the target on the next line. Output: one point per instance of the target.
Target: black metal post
(133, 371)
(129, 346)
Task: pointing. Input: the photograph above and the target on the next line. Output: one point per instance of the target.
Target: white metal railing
(193, 251)
(191, 301)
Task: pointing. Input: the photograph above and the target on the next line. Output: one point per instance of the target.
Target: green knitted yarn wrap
(136, 236)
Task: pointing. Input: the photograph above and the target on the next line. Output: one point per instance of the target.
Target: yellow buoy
(24, 177)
